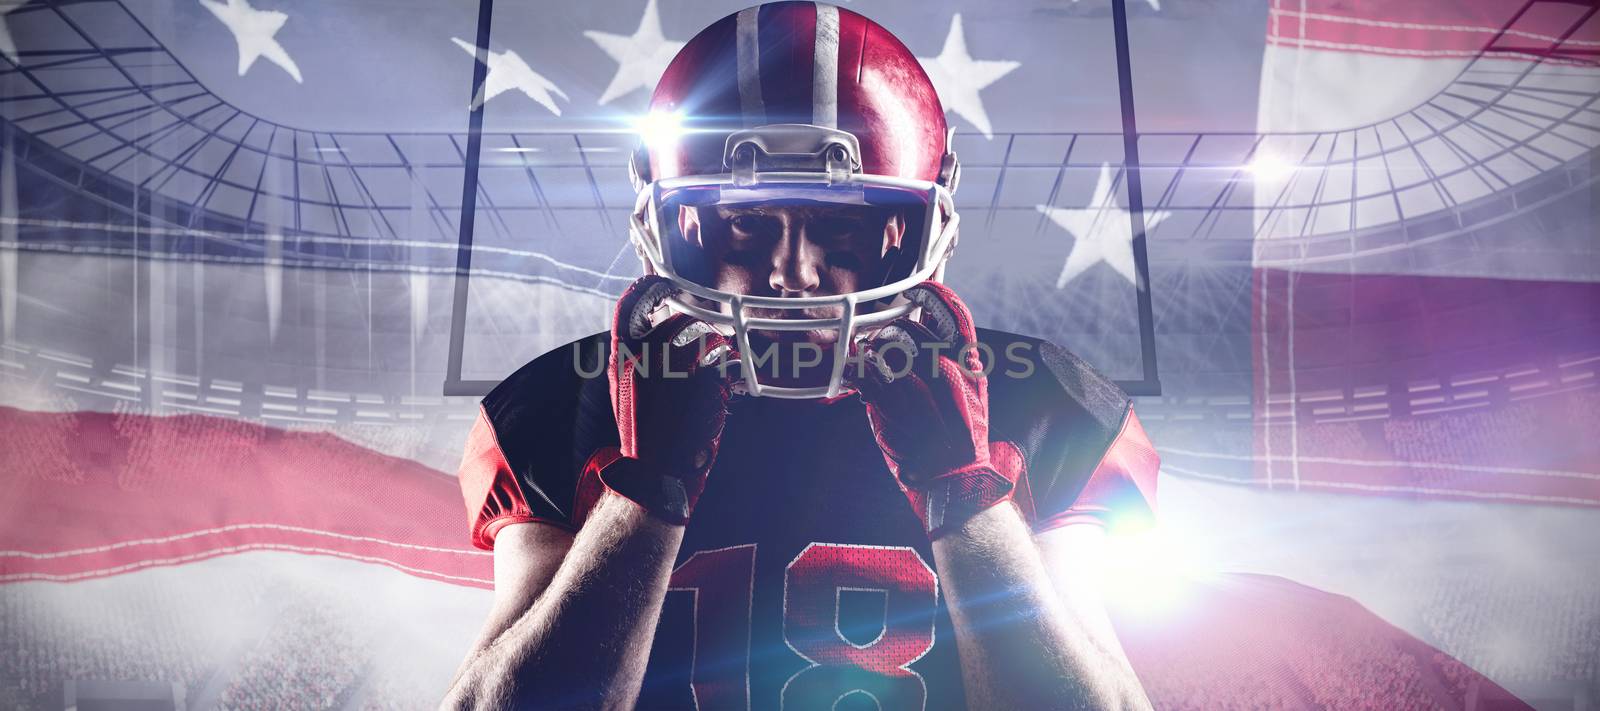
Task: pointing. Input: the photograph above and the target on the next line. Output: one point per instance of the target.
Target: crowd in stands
(1483, 621)
(309, 659)
(1331, 438)
(240, 642)
(280, 645)
(56, 633)
(402, 683)
(1480, 436)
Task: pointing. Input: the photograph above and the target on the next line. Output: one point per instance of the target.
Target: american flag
(230, 233)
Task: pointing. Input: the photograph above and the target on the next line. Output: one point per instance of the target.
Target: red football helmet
(799, 102)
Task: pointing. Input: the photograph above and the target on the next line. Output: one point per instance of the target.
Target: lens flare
(1148, 568)
(659, 127)
(1270, 167)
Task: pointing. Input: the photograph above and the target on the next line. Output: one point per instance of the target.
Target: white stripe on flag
(202, 555)
(1476, 468)
(227, 529)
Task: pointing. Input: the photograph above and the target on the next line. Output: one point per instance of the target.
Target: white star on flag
(507, 71)
(8, 47)
(641, 58)
(254, 29)
(958, 77)
(1101, 232)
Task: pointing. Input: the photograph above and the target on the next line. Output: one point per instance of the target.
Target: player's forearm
(1019, 647)
(585, 642)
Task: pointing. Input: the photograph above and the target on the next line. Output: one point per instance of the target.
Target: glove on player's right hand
(931, 419)
(670, 399)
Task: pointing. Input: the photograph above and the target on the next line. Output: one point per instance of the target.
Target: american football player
(794, 474)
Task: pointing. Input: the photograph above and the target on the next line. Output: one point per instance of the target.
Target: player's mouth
(823, 336)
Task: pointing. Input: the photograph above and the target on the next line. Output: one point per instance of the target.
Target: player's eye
(837, 232)
(748, 226)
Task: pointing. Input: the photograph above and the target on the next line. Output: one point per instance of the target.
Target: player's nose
(795, 265)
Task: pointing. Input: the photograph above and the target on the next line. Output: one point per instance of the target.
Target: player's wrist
(948, 501)
(668, 495)
(981, 530)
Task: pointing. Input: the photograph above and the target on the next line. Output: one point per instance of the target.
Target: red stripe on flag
(95, 494)
(1461, 28)
(1256, 641)
(1428, 387)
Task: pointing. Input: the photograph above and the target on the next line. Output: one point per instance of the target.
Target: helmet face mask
(721, 180)
(927, 239)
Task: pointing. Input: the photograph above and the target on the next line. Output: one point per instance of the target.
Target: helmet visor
(793, 238)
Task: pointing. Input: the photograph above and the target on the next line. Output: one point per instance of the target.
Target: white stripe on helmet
(825, 68)
(748, 48)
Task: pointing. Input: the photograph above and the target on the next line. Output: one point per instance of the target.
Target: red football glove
(928, 403)
(670, 400)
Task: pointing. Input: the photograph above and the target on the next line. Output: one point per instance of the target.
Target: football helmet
(795, 102)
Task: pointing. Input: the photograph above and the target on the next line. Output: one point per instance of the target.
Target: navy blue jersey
(804, 577)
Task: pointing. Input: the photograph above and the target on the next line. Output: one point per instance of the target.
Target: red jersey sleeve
(1123, 483)
(493, 498)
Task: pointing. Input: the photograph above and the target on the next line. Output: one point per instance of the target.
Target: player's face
(794, 251)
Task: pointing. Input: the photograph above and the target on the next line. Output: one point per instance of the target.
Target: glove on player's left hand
(928, 403)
